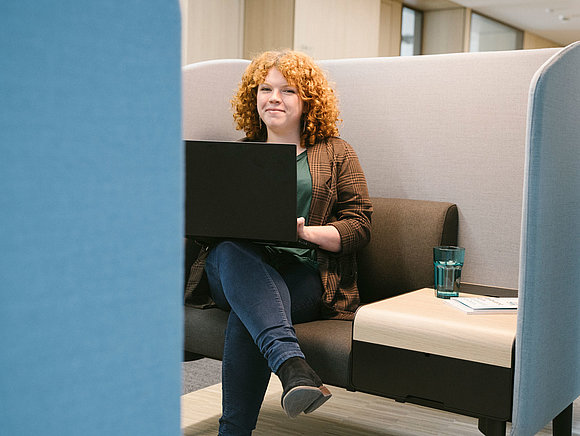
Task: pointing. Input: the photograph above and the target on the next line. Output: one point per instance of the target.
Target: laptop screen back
(241, 190)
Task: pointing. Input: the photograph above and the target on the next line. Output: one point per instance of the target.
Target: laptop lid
(244, 190)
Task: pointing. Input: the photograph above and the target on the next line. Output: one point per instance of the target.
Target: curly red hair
(320, 102)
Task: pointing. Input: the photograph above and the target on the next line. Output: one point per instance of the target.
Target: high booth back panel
(91, 218)
(444, 128)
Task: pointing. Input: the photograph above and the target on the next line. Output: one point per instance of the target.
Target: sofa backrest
(399, 257)
(442, 128)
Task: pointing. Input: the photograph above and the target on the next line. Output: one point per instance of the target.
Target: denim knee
(230, 250)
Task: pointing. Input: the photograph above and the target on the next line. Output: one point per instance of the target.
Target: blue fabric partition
(547, 372)
(91, 218)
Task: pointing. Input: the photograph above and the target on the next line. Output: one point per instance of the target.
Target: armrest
(399, 257)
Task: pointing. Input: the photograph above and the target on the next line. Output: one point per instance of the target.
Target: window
(489, 35)
(411, 26)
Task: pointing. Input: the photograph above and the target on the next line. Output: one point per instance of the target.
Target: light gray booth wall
(444, 127)
(207, 90)
(448, 128)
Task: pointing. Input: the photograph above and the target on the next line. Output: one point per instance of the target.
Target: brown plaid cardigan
(339, 198)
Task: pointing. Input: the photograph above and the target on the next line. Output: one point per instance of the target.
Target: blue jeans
(263, 302)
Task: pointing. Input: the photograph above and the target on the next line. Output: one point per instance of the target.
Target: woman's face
(279, 104)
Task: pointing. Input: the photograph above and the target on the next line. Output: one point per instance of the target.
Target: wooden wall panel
(268, 25)
(390, 28)
(444, 31)
(331, 29)
(214, 30)
(531, 41)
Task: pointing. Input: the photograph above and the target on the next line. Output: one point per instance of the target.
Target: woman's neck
(287, 139)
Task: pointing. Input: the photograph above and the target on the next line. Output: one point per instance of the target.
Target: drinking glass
(447, 264)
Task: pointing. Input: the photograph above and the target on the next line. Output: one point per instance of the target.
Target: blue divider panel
(548, 340)
(90, 217)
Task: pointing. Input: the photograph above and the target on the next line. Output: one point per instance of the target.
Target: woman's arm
(350, 227)
(353, 213)
(326, 237)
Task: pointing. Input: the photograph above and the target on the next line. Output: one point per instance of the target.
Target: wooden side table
(417, 348)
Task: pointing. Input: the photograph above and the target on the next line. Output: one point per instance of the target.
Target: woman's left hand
(326, 237)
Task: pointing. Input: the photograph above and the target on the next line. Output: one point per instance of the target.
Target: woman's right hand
(326, 237)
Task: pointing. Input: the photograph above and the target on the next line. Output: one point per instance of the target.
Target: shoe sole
(304, 399)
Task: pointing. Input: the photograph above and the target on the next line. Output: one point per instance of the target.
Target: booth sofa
(398, 259)
(478, 149)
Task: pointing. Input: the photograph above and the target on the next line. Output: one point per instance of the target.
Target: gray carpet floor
(198, 374)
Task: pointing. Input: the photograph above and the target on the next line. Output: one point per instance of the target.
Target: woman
(285, 97)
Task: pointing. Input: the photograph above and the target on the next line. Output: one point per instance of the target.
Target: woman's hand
(326, 237)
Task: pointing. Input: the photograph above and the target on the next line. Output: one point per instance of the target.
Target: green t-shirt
(303, 200)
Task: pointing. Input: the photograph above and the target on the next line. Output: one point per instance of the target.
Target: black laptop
(241, 190)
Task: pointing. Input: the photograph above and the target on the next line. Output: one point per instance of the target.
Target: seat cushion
(325, 343)
(205, 331)
(327, 347)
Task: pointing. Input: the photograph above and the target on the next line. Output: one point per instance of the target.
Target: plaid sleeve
(353, 207)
